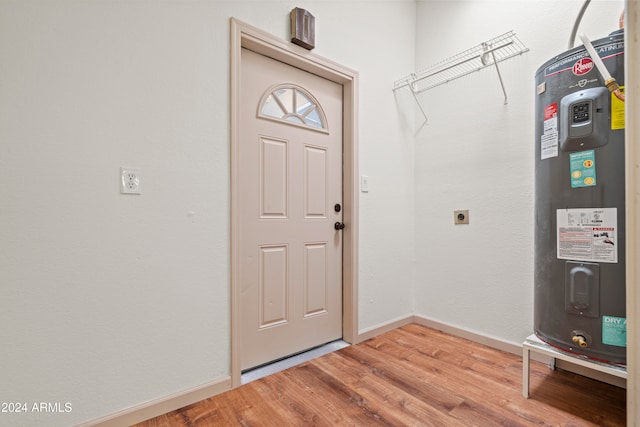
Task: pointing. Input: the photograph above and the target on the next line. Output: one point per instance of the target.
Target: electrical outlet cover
(129, 181)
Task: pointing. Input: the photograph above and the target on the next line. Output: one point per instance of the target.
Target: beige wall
(109, 301)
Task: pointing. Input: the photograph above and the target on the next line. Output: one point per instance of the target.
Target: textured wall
(109, 301)
(477, 154)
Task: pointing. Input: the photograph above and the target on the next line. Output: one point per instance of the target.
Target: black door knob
(338, 225)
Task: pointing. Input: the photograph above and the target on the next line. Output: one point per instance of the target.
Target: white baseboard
(493, 342)
(161, 406)
(381, 328)
(478, 337)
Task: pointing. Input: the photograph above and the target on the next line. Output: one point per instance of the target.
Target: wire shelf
(485, 54)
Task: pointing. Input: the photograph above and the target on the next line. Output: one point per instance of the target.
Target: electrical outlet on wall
(129, 181)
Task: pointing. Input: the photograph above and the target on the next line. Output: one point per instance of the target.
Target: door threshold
(291, 361)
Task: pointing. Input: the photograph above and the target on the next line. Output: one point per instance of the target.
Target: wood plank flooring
(411, 376)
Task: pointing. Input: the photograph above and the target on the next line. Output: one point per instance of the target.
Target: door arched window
(292, 104)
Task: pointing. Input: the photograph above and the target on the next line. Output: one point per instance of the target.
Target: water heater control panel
(581, 112)
(584, 119)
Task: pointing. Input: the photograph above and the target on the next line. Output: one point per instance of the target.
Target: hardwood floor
(412, 376)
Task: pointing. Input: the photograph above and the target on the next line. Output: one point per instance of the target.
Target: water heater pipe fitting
(609, 81)
(580, 340)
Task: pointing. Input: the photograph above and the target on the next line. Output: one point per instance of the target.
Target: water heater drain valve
(581, 338)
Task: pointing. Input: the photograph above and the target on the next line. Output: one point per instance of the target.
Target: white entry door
(290, 210)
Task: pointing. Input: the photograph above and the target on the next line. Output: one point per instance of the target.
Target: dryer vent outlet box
(461, 217)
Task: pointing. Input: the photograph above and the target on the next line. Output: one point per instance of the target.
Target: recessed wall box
(303, 28)
(461, 217)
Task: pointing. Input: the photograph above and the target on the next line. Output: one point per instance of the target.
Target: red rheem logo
(582, 66)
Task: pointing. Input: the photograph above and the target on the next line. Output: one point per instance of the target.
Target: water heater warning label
(587, 234)
(614, 331)
(617, 112)
(583, 169)
(549, 138)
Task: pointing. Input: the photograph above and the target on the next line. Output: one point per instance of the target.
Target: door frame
(247, 36)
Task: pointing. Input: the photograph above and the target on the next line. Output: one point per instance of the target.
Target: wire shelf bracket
(486, 54)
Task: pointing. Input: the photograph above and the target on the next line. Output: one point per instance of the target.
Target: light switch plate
(364, 183)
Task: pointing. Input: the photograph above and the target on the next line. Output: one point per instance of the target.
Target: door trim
(247, 36)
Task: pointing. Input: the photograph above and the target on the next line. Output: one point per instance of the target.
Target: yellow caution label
(617, 111)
